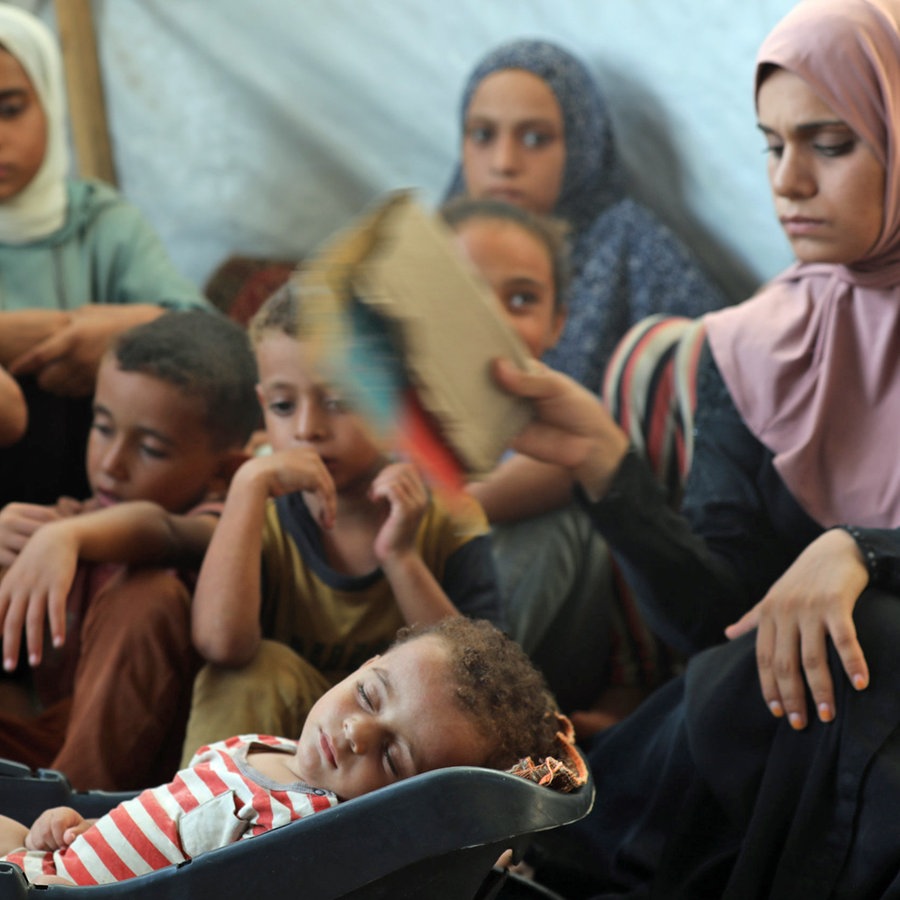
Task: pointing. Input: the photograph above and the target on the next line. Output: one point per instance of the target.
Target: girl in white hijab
(39, 208)
(78, 265)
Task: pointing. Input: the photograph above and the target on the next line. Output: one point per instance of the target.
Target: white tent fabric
(261, 127)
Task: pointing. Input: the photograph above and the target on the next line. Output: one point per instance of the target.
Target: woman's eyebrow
(528, 122)
(807, 127)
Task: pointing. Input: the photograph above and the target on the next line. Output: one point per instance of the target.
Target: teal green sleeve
(130, 264)
(106, 252)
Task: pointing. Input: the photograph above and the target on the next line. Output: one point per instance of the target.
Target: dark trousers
(703, 793)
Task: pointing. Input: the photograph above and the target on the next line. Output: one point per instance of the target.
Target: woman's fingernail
(776, 709)
(860, 681)
(826, 713)
(796, 721)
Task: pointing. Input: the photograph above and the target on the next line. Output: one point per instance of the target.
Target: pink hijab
(813, 360)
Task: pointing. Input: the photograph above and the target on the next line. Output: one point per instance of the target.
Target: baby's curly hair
(498, 687)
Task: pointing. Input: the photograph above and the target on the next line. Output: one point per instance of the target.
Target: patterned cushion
(240, 285)
(650, 389)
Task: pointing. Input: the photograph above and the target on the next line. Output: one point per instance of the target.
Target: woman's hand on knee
(812, 602)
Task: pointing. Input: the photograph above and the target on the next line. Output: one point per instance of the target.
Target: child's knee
(144, 613)
(272, 694)
(140, 600)
(276, 673)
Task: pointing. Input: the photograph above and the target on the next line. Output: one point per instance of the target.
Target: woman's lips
(800, 226)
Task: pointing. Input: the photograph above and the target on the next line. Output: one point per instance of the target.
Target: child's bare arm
(35, 588)
(137, 532)
(419, 595)
(12, 835)
(56, 828)
(521, 487)
(13, 411)
(225, 612)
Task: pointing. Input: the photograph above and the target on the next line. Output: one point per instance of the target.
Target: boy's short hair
(498, 686)
(207, 356)
(550, 231)
(280, 312)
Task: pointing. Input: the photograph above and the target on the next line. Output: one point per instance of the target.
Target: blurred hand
(571, 428)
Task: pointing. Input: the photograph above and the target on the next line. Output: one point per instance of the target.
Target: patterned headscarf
(592, 180)
(813, 361)
(40, 208)
(625, 264)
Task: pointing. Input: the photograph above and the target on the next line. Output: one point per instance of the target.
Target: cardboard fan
(409, 332)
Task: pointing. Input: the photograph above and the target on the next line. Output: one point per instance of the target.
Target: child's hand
(18, 522)
(69, 506)
(401, 485)
(35, 589)
(55, 829)
(297, 469)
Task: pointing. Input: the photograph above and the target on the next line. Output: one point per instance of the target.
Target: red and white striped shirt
(219, 799)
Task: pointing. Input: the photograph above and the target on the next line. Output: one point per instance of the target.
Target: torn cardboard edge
(441, 319)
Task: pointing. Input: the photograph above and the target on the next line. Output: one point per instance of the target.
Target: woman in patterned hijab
(549, 147)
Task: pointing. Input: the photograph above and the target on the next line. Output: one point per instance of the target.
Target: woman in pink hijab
(813, 362)
(792, 506)
(788, 541)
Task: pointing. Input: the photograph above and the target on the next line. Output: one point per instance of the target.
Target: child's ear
(229, 462)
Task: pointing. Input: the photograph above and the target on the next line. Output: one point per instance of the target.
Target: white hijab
(40, 208)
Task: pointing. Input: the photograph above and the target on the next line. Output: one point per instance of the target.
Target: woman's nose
(791, 176)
